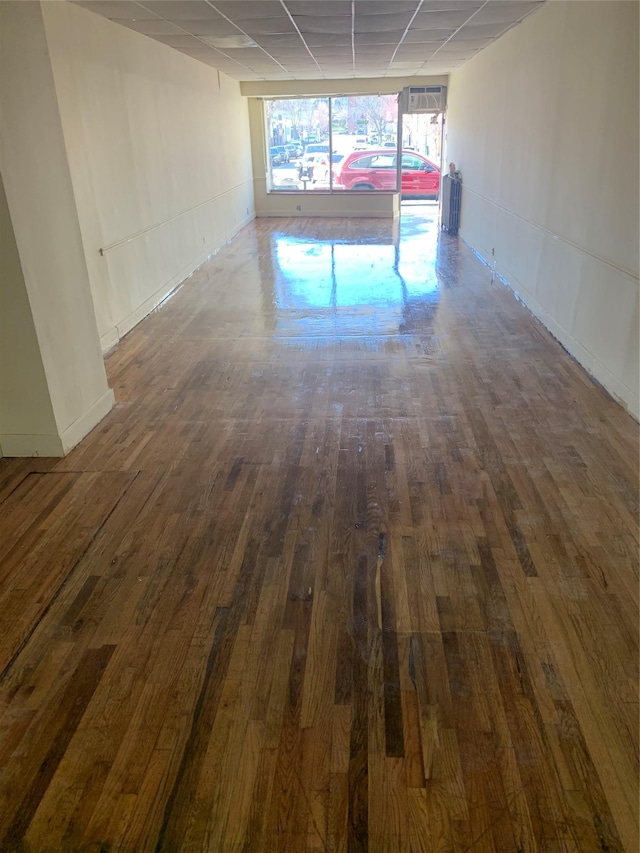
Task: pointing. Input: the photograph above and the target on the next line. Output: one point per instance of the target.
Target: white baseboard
(626, 397)
(31, 445)
(91, 418)
(58, 445)
(346, 214)
(110, 338)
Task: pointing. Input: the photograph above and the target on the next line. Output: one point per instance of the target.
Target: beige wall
(544, 128)
(346, 86)
(57, 347)
(25, 404)
(159, 153)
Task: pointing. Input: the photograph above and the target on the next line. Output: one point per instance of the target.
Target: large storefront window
(332, 144)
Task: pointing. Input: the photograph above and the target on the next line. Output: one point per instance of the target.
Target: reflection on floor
(368, 287)
(351, 566)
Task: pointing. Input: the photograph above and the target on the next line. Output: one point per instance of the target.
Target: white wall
(25, 404)
(159, 152)
(340, 86)
(57, 347)
(544, 128)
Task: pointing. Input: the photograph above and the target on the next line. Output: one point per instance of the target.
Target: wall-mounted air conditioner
(423, 99)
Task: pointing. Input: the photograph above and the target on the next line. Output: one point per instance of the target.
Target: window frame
(332, 188)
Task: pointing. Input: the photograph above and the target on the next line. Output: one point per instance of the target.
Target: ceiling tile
(408, 54)
(497, 12)
(182, 41)
(295, 68)
(387, 37)
(374, 7)
(318, 24)
(239, 11)
(287, 53)
(203, 52)
(405, 64)
(380, 23)
(469, 6)
(487, 31)
(468, 44)
(243, 54)
(187, 10)
(313, 7)
(320, 39)
(285, 41)
(421, 36)
(121, 9)
(213, 27)
(440, 20)
(267, 70)
(375, 49)
(151, 27)
(418, 49)
(337, 55)
(267, 26)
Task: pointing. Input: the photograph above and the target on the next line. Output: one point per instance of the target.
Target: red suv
(376, 170)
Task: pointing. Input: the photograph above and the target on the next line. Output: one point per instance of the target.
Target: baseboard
(346, 214)
(14, 445)
(91, 418)
(616, 389)
(110, 338)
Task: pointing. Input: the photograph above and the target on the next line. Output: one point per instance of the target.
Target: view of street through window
(350, 143)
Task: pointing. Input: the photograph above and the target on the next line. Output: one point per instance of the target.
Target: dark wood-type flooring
(351, 566)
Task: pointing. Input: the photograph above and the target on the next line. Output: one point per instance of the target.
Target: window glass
(383, 161)
(411, 163)
(361, 163)
(299, 130)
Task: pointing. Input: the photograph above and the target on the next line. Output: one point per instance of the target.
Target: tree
(379, 111)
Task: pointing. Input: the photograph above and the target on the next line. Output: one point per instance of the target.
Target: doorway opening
(422, 133)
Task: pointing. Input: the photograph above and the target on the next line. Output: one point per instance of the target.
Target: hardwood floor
(352, 565)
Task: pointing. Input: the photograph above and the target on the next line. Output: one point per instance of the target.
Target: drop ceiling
(321, 39)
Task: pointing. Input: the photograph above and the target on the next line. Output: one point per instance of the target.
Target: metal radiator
(451, 197)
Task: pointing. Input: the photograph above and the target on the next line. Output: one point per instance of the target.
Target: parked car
(313, 168)
(298, 146)
(276, 156)
(292, 152)
(317, 148)
(283, 153)
(376, 170)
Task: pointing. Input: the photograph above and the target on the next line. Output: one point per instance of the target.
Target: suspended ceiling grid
(321, 39)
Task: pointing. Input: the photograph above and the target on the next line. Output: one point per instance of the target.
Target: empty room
(319, 400)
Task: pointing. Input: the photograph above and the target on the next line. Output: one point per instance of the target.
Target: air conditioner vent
(424, 99)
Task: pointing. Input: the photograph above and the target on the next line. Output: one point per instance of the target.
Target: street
(285, 177)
